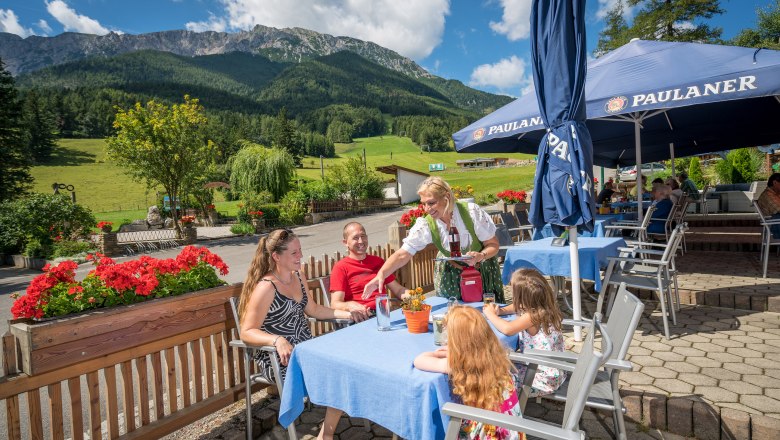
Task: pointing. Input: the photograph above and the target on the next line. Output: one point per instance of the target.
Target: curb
(690, 417)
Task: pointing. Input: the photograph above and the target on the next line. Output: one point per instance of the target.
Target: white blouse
(420, 235)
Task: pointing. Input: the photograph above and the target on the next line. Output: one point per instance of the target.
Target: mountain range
(263, 68)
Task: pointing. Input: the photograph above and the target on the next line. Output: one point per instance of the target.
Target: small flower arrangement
(408, 218)
(187, 220)
(56, 292)
(255, 214)
(414, 301)
(104, 226)
(511, 196)
(461, 192)
(210, 207)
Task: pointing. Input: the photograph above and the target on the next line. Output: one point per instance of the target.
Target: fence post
(396, 233)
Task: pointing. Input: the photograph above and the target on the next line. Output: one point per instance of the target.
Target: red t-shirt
(351, 276)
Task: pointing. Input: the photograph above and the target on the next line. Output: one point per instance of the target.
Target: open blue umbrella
(563, 194)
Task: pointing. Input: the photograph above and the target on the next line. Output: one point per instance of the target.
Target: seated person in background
(479, 370)
(688, 187)
(606, 194)
(635, 190)
(657, 181)
(769, 202)
(351, 274)
(676, 194)
(663, 207)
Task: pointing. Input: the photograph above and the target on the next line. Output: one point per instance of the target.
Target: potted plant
(510, 198)
(105, 226)
(464, 194)
(187, 220)
(60, 321)
(410, 217)
(257, 220)
(416, 311)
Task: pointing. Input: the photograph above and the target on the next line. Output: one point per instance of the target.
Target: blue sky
(483, 43)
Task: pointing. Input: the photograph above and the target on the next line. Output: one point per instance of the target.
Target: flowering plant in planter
(408, 218)
(104, 226)
(414, 301)
(210, 207)
(511, 196)
(461, 192)
(187, 220)
(56, 292)
(255, 214)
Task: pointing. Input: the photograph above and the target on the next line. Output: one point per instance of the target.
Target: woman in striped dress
(274, 304)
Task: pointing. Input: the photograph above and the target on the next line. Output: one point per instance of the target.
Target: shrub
(34, 248)
(68, 248)
(293, 208)
(43, 217)
(486, 199)
(695, 173)
(242, 229)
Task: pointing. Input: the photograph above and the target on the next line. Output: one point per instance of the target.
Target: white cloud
(214, 23)
(9, 22)
(44, 26)
(412, 28)
(506, 74)
(607, 5)
(516, 21)
(73, 21)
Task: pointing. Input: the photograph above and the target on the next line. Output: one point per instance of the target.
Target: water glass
(488, 298)
(439, 331)
(382, 313)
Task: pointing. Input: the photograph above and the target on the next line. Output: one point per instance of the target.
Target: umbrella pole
(640, 188)
(574, 258)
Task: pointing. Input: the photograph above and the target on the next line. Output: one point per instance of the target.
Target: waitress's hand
(376, 283)
(474, 258)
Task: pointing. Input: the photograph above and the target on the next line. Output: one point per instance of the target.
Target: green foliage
(67, 248)
(739, 166)
(42, 217)
(34, 248)
(767, 31)
(163, 145)
(15, 178)
(256, 168)
(284, 137)
(353, 180)
(695, 173)
(432, 132)
(41, 126)
(486, 199)
(663, 20)
(242, 229)
(292, 209)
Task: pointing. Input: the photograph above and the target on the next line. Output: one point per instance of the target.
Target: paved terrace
(717, 378)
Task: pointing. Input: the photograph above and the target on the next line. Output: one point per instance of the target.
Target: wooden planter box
(56, 343)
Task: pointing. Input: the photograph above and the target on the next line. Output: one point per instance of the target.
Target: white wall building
(405, 183)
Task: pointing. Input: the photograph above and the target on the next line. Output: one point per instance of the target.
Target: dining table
(600, 221)
(370, 374)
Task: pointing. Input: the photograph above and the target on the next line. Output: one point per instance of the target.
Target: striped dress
(285, 317)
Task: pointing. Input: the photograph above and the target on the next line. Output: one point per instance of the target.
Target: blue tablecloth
(370, 374)
(631, 205)
(554, 260)
(598, 229)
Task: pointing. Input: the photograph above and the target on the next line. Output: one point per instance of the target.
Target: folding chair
(251, 378)
(620, 328)
(583, 375)
(639, 229)
(767, 239)
(668, 224)
(701, 201)
(516, 230)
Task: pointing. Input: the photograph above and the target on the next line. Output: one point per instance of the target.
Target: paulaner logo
(478, 134)
(616, 104)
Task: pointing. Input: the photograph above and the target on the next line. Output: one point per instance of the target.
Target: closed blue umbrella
(563, 194)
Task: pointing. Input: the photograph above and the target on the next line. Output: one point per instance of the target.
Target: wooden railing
(316, 206)
(157, 387)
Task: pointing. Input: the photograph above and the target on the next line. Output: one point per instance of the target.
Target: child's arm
(433, 361)
(507, 310)
(509, 328)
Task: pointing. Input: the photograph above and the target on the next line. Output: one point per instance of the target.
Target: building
(404, 185)
(482, 162)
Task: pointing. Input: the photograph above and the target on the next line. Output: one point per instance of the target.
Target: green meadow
(112, 195)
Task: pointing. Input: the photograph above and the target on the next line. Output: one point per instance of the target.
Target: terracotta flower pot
(417, 322)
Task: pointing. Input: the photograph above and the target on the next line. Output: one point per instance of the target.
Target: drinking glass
(382, 313)
(488, 298)
(439, 331)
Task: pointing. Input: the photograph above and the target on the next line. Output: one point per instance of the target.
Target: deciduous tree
(256, 168)
(163, 145)
(767, 31)
(15, 179)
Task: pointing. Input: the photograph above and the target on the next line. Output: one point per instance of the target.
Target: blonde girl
(480, 371)
(274, 303)
(538, 324)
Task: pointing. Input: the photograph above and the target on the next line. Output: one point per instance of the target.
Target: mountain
(283, 46)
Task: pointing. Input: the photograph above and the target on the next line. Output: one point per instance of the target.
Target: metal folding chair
(516, 230)
(583, 375)
(638, 229)
(767, 240)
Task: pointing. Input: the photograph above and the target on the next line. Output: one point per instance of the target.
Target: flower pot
(56, 343)
(417, 322)
(105, 229)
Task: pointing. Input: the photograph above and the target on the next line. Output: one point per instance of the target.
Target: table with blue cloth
(631, 205)
(370, 374)
(554, 260)
(616, 216)
(598, 229)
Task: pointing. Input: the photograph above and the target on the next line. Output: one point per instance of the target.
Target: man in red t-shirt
(351, 274)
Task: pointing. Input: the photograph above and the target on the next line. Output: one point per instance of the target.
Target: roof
(480, 159)
(393, 169)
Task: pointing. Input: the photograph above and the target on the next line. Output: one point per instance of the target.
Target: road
(237, 252)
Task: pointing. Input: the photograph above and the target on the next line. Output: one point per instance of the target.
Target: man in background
(769, 202)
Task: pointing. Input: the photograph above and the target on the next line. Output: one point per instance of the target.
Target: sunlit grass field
(103, 186)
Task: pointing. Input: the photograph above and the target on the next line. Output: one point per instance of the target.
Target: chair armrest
(569, 357)
(633, 227)
(576, 322)
(640, 250)
(512, 423)
(337, 321)
(241, 344)
(527, 358)
(637, 261)
(644, 243)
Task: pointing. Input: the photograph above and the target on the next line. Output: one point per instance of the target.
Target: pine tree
(662, 20)
(15, 179)
(42, 127)
(284, 136)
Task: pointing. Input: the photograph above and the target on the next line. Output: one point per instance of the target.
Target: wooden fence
(157, 387)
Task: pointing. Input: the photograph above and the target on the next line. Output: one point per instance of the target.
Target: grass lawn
(113, 196)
